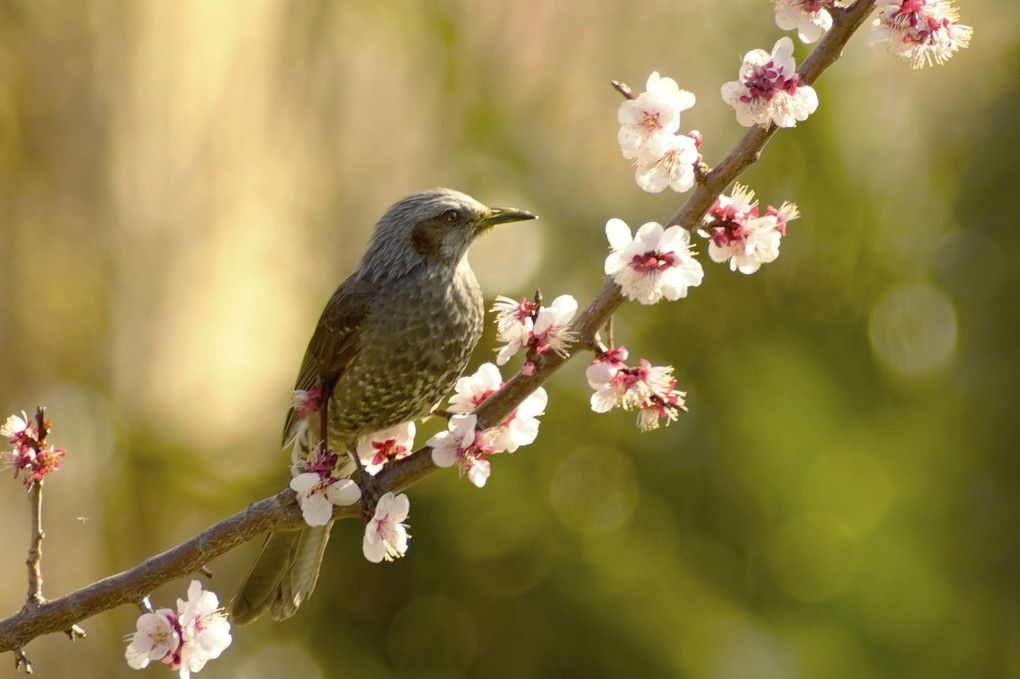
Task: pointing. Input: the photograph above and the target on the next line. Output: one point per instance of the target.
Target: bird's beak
(502, 215)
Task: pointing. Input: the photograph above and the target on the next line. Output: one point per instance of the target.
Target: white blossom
(656, 263)
(521, 428)
(924, 32)
(768, 89)
(539, 328)
(155, 638)
(471, 390)
(656, 111)
(462, 444)
(809, 17)
(394, 443)
(204, 628)
(647, 388)
(185, 639)
(386, 535)
(666, 160)
(318, 494)
(14, 426)
(739, 235)
(552, 326)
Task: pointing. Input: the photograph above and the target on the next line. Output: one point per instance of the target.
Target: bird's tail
(283, 576)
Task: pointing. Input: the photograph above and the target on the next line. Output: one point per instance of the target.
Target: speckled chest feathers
(415, 343)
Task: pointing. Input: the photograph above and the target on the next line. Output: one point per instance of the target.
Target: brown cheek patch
(427, 240)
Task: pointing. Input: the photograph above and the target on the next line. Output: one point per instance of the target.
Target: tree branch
(281, 512)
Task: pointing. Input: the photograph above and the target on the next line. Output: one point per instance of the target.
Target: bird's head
(434, 227)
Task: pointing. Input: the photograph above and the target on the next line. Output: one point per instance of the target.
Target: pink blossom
(768, 89)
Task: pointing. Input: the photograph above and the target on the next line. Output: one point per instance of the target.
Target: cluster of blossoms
(648, 136)
(737, 233)
(655, 263)
(528, 325)
(649, 389)
(465, 445)
(185, 639)
(768, 89)
(320, 480)
(925, 32)
(32, 457)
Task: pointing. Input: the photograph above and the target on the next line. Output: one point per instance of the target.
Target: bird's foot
(369, 488)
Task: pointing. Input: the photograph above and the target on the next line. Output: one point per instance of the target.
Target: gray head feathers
(430, 227)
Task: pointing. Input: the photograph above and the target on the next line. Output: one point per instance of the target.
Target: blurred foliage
(183, 184)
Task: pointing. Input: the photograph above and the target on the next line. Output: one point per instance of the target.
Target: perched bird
(390, 344)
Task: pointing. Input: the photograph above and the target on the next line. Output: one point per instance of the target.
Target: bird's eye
(451, 216)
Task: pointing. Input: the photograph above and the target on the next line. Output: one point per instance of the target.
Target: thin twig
(34, 561)
(21, 660)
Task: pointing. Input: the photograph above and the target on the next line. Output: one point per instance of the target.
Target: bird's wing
(334, 344)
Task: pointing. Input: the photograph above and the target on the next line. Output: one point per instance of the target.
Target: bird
(390, 344)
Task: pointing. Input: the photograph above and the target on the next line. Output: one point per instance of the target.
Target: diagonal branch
(281, 512)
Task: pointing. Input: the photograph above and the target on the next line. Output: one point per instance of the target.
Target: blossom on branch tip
(386, 535)
(768, 89)
(32, 457)
(656, 111)
(394, 443)
(655, 263)
(809, 17)
(924, 32)
(184, 639)
(739, 235)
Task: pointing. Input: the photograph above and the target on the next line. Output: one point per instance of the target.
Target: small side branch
(34, 561)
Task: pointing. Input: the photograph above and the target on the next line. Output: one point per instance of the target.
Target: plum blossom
(471, 390)
(666, 160)
(155, 638)
(184, 639)
(538, 328)
(656, 263)
(464, 445)
(739, 235)
(651, 390)
(768, 89)
(319, 487)
(386, 535)
(14, 428)
(809, 17)
(521, 427)
(656, 111)
(394, 443)
(514, 321)
(924, 32)
(32, 457)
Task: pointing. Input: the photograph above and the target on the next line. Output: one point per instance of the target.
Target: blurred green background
(183, 184)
